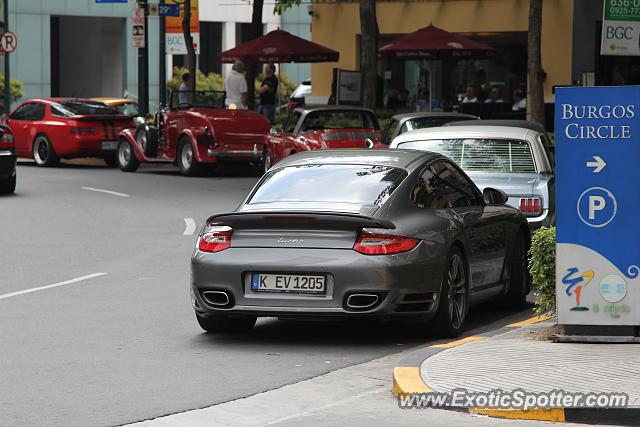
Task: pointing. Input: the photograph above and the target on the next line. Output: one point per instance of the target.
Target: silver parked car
(513, 159)
(360, 233)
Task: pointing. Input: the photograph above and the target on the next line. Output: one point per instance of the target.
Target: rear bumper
(407, 284)
(7, 164)
(252, 155)
(82, 147)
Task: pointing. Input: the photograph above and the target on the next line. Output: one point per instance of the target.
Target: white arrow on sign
(598, 165)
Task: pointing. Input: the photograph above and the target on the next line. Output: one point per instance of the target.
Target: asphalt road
(122, 344)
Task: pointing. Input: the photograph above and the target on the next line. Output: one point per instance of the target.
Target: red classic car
(194, 132)
(50, 129)
(322, 127)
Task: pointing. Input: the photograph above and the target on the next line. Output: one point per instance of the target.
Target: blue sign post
(598, 205)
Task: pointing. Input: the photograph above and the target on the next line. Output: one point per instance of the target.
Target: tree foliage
(542, 266)
(16, 89)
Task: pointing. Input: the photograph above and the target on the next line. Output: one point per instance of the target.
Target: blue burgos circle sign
(597, 207)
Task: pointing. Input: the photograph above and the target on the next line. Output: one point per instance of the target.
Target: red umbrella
(434, 43)
(279, 46)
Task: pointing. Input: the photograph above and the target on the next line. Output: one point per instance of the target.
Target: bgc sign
(598, 205)
(621, 28)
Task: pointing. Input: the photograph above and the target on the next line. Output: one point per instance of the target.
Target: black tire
(126, 157)
(221, 323)
(454, 297)
(187, 160)
(147, 137)
(110, 160)
(516, 296)
(43, 152)
(8, 186)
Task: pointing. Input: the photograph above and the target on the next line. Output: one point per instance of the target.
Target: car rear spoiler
(303, 219)
(102, 118)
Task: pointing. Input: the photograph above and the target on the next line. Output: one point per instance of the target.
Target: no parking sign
(598, 205)
(8, 42)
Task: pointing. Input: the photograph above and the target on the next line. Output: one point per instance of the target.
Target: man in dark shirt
(268, 91)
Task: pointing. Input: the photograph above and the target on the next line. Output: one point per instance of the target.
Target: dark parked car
(7, 160)
(405, 122)
(360, 233)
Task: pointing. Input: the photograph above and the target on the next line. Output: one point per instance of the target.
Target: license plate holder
(109, 145)
(306, 284)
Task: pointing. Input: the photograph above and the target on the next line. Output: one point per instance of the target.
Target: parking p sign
(598, 202)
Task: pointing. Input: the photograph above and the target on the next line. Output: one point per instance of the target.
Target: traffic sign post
(598, 250)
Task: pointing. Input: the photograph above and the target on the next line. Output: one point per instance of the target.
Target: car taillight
(7, 141)
(383, 244)
(217, 238)
(531, 206)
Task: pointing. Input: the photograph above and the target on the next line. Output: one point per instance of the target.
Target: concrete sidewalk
(518, 359)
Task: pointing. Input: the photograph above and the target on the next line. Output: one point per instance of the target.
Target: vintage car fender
(200, 149)
(129, 135)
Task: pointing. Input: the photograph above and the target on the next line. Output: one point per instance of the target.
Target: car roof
(404, 159)
(414, 115)
(525, 124)
(453, 132)
(324, 107)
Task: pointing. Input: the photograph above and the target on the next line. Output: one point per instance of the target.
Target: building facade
(570, 44)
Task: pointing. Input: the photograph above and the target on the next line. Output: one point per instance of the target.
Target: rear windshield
(353, 184)
(481, 155)
(428, 122)
(82, 108)
(339, 119)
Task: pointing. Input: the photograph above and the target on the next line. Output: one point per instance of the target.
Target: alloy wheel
(457, 291)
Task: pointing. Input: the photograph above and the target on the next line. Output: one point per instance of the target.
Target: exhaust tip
(362, 301)
(216, 298)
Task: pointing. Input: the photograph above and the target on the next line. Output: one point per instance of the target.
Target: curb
(407, 380)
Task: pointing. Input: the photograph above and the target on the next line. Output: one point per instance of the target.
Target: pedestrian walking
(183, 97)
(235, 87)
(268, 90)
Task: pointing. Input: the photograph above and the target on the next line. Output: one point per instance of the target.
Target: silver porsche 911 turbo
(360, 233)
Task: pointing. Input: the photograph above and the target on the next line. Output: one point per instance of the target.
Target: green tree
(16, 90)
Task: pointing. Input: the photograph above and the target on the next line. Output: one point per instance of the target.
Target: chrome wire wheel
(457, 292)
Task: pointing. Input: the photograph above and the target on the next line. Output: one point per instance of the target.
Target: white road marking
(55, 285)
(190, 227)
(99, 190)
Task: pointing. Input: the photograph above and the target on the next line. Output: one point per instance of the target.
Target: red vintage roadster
(195, 132)
(322, 127)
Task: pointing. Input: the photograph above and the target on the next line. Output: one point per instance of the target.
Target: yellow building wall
(336, 25)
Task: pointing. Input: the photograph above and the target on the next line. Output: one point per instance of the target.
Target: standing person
(268, 91)
(235, 87)
(183, 97)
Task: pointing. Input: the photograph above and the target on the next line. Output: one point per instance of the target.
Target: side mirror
(494, 196)
(369, 143)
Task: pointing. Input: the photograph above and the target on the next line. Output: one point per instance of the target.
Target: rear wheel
(221, 323)
(187, 161)
(126, 158)
(454, 297)
(43, 152)
(8, 186)
(516, 296)
(147, 138)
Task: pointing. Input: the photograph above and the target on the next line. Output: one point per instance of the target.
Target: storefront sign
(349, 83)
(174, 34)
(598, 255)
(621, 28)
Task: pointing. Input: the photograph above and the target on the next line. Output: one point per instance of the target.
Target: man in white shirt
(184, 88)
(519, 101)
(235, 87)
(495, 96)
(472, 95)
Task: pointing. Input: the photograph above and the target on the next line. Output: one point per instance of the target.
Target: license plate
(109, 145)
(294, 283)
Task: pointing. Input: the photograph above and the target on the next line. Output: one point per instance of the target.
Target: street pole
(163, 62)
(143, 64)
(7, 74)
